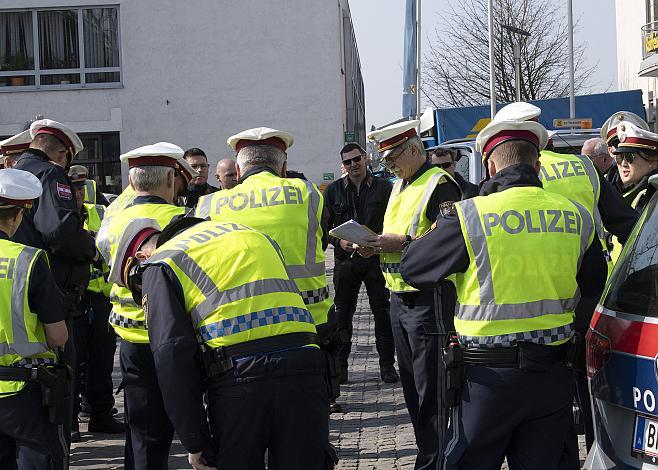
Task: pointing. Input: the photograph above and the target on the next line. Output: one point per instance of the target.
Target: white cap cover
(18, 188)
(261, 136)
(64, 134)
(518, 111)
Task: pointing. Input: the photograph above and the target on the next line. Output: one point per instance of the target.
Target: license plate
(646, 436)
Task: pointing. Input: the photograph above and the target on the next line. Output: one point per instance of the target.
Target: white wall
(194, 76)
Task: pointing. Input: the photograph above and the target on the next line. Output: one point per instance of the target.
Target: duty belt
(511, 357)
(218, 360)
(23, 374)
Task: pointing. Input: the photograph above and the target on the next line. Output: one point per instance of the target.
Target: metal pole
(418, 57)
(572, 91)
(492, 72)
(517, 69)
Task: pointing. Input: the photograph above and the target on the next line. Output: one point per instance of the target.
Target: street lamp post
(517, 55)
(492, 71)
(572, 86)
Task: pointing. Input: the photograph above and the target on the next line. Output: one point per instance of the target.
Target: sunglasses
(629, 157)
(349, 161)
(444, 165)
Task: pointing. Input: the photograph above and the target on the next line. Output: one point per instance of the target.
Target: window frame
(82, 71)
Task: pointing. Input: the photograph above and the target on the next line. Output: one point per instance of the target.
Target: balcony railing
(649, 39)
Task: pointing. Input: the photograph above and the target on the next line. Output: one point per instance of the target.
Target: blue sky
(378, 26)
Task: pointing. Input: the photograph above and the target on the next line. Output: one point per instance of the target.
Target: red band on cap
(152, 160)
(509, 134)
(135, 244)
(27, 203)
(12, 149)
(396, 140)
(611, 133)
(61, 136)
(273, 141)
(637, 142)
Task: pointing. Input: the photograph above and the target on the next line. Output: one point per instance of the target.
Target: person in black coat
(446, 158)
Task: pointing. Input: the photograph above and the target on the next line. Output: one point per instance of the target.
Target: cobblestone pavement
(372, 433)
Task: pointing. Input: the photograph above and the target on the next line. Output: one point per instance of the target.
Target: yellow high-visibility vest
(525, 245)
(289, 211)
(98, 282)
(22, 337)
(405, 215)
(231, 294)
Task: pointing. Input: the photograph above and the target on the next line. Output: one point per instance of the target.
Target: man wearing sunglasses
(446, 158)
(362, 197)
(637, 159)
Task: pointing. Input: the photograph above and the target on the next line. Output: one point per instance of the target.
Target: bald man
(226, 174)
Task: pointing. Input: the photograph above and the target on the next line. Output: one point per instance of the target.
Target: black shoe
(343, 377)
(106, 424)
(85, 410)
(75, 431)
(335, 407)
(389, 374)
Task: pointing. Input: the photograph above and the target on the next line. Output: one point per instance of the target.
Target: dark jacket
(424, 264)
(54, 224)
(469, 189)
(195, 191)
(367, 205)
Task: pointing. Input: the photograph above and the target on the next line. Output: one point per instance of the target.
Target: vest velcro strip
(34, 361)
(550, 336)
(315, 296)
(253, 320)
(125, 322)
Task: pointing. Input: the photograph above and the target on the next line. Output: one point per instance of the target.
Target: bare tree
(456, 68)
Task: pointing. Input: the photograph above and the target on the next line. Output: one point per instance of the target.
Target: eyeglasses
(444, 165)
(629, 157)
(390, 159)
(200, 166)
(349, 161)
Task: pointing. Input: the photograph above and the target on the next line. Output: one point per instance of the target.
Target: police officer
(421, 318)
(609, 134)
(95, 340)
(261, 369)
(636, 155)
(152, 175)
(289, 210)
(12, 148)
(31, 327)
(519, 256)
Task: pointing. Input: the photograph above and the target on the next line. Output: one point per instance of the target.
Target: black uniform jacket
(53, 223)
(176, 355)
(442, 251)
(617, 215)
(42, 294)
(367, 206)
(195, 191)
(469, 189)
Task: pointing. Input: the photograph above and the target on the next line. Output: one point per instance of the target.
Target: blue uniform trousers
(149, 432)
(508, 412)
(420, 332)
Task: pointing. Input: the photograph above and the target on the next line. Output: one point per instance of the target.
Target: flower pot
(17, 81)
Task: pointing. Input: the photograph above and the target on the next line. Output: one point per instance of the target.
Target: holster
(331, 339)
(572, 355)
(453, 360)
(56, 389)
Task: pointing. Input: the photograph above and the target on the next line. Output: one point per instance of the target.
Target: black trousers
(511, 413)
(95, 343)
(276, 402)
(150, 432)
(27, 439)
(420, 332)
(349, 273)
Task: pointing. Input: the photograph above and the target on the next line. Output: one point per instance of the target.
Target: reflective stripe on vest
(270, 204)
(97, 282)
(489, 314)
(408, 223)
(217, 305)
(90, 191)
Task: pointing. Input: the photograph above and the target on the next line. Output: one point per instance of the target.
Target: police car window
(634, 284)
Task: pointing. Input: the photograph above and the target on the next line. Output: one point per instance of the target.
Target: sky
(378, 26)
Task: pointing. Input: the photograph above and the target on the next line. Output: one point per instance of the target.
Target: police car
(622, 355)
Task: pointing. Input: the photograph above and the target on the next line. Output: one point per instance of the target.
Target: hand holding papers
(354, 232)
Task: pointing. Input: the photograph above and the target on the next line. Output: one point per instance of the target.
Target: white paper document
(354, 232)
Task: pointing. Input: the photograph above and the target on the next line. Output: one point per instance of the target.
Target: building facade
(637, 50)
(130, 73)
